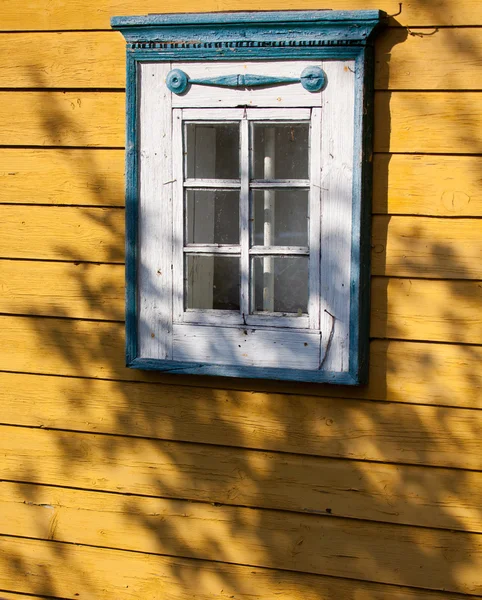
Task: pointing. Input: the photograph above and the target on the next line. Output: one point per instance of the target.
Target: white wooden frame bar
(178, 215)
(280, 250)
(252, 114)
(244, 218)
(280, 183)
(314, 231)
(218, 184)
(211, 249)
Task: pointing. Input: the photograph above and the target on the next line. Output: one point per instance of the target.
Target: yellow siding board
(15, 596)
(445, 186)
(78, 290)
(88, 14)
(50, 176)
(63, 60)
(330, 427)
(102, 574)
(408, 309)
(426, 185)
(62, 233)
(62, 119)
(414, 309)
(445, 122)
(325, 546)
(96, 59)
(402, 56)
(427, 247)
(420, 373)
(402, 246)
(403, 494)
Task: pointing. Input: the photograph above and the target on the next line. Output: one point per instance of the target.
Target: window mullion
(244, 215)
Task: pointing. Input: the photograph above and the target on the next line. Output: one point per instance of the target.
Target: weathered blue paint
(131, 210)
(291, 35)
(187, 368)
(247, 53)
(246, 19)
(312, 79)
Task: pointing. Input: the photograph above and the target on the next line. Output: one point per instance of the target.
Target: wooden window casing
(172, 321)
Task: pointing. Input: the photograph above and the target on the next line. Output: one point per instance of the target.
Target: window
(248, 193)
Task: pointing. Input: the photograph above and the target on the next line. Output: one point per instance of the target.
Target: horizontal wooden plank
(49, 176)
(402, 246)
(14, 596)
(411, 495)
(419, 373)
(96, 59)
(427, 247)
(409, 309)
(72, 571)
(78, 290)
(437, 185)
(444, 123)
(311, 425)
(402, 55)
(418, 122)
(403, 184)
(434, 559)
(62, 233)
(63, 60)
(62, 119)
(88, 14)
(422, 309)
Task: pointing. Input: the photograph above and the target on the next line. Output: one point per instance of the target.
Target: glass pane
(212, 217)
(280, 151)
(212, 282)
(280, 217)
(280, 284)
(212, 151)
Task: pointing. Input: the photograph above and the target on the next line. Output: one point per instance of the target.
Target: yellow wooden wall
(121, 484)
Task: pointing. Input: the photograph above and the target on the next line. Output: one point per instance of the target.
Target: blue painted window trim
(288, 35)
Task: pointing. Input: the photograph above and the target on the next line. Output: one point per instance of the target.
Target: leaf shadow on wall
(234, 488)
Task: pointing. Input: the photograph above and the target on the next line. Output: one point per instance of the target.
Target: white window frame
(330, 343)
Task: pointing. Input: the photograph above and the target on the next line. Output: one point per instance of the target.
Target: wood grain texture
(100, 574)
(75, 290)
(434, 185)
(62, 119)
(330, 427)
(14, 596)
(88, 14)
(420, 373)
(304, 543)
(154, 253)
(62, 233)
(48, 176)
(339, 215)
(418, 309)
(96, 59)
(401, 56)
(410, 495)
(401, 246)
(427, 247)
(437, 185)
(444, 123)
(63, 60)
